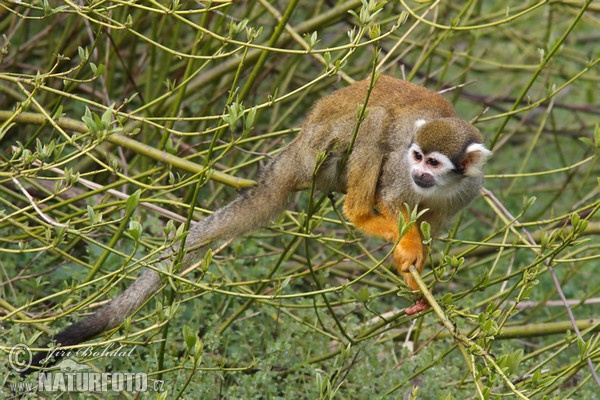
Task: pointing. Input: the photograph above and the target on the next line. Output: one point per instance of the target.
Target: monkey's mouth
(424, 181)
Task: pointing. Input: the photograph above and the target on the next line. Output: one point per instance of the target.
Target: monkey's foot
(420, 305)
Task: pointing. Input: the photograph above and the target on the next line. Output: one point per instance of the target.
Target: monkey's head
(443, 153)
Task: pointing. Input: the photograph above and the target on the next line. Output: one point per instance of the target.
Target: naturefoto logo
(70, 375)
(19, 357)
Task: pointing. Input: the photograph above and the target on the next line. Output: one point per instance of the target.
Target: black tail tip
(39, 361)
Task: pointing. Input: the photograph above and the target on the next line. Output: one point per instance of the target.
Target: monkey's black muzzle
(424, 180)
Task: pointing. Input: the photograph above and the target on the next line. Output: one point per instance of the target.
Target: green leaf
(583, 347)
(364, 295)
(107, 117)
(190, 336)
(426, 231)
(89, 120)
(132, 202)
(91, 213)
(514, 360)
(135, 229)
(249, 119)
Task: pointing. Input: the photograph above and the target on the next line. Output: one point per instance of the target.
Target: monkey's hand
(411, 251)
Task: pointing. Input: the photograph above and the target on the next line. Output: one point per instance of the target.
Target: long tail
(251, 210)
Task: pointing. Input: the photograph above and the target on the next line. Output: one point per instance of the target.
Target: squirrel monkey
(410, 148)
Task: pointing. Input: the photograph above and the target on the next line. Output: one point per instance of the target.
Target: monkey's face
(443, 154)
(431, 173)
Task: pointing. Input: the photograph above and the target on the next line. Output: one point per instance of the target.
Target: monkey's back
(395, 95)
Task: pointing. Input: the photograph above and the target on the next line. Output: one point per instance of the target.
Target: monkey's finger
(420, 306)
(410, 281)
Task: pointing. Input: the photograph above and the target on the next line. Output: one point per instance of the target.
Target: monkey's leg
(359, 207)
(411, 251)
(373, 224)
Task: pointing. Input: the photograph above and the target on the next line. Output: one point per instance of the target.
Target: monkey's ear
(475, 157)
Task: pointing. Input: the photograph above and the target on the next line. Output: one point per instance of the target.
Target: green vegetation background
(120, 121)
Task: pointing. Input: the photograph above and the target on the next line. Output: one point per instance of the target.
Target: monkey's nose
(424, 180)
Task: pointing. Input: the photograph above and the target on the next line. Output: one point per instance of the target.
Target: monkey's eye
(418, 156)
(433, 162)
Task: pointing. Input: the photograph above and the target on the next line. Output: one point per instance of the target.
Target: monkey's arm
(408, 251)
(411, 251)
